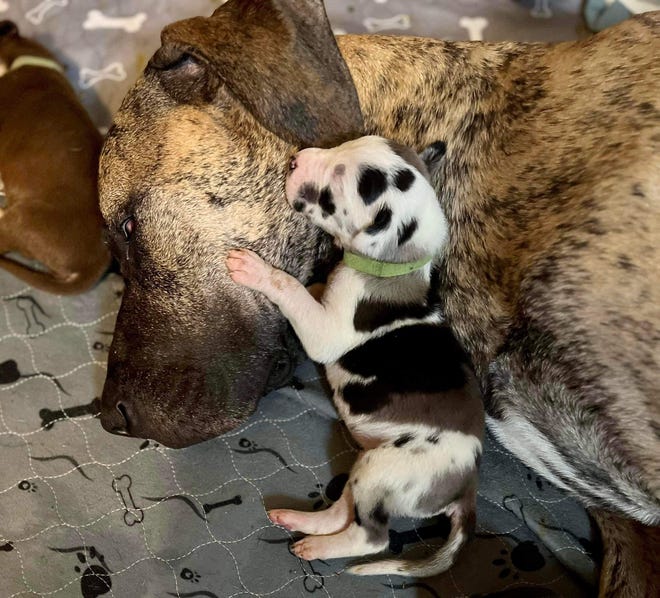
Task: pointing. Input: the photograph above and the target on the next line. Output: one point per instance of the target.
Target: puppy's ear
(433, 155)
(8, 28)
(279, 58)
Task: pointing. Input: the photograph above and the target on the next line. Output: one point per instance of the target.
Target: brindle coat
(550, 183)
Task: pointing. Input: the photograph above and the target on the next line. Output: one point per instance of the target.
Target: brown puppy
(48, 164)
(550, 183)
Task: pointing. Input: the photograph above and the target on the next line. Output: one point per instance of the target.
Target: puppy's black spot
(298, 205)
(325, 201)
(357, 519)
(403, 440)
(372, 314)
(406, 231)
(309, 192)
(378, 514)
(372, 184)
(404, 179)
(340, 170)
(433, 439)
(381, 221)
(422, 358)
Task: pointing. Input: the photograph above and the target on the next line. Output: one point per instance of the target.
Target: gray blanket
(86, 513)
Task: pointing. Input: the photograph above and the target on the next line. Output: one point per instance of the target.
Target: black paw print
(190, 575)
(541, 483)
(332, 492)
(296, 384)
(149, 444)
(95, 580)
(27, 486)
(525, 556)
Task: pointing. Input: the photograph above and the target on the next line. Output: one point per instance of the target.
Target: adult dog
(551, 280)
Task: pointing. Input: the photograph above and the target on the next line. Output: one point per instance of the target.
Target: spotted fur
(395, 374)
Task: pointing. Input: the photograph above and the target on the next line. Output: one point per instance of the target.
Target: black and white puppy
(401, 382)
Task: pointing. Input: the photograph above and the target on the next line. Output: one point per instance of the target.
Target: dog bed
(86, 513)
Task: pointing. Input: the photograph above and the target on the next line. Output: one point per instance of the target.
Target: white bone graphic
(132, 514)
(90, 77)
(396, 22)
(36, 15)
(475, 27)
(97, 20)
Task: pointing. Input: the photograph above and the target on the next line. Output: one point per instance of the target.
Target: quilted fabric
(85, 513)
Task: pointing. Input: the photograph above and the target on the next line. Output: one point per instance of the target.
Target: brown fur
(49, 152)
(551, 280)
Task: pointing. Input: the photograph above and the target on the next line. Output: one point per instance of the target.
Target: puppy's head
(12, 45)
(372, 195)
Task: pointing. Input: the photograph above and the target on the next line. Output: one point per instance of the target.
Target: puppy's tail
(462, 526)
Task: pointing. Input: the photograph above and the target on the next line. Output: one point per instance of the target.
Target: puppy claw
(278, 517)
(308, 548)
(248, 269)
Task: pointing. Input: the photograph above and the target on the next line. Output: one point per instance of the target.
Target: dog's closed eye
(127, 227)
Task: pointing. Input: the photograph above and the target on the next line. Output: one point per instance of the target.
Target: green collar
(382, 269)
(39, 61)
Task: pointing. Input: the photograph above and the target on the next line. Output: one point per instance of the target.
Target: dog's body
(401, 382)
(550, 185)
(49, 152)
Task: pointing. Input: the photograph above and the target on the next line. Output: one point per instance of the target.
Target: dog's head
(195, 165)
(372, 195)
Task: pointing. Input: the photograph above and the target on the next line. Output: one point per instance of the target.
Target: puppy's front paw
(248, 269)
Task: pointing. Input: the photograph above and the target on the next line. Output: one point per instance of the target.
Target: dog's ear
(279, 58)
(8, 28)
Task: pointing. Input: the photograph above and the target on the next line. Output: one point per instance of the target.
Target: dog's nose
(119, 420)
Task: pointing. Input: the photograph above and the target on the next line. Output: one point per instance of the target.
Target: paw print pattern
(27, 486)
(539, 481)
(525, 556)
(190, 575)
(95, 580)
(332, 492)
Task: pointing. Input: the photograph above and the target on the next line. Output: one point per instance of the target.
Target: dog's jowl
(402, 383)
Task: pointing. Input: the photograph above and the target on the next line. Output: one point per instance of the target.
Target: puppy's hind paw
(309, 548)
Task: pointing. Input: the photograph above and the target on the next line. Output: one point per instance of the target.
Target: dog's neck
(472, 97)
(420, 91)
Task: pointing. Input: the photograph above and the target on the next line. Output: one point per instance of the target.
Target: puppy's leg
(368, 531)
(322, 335)
(329, 521)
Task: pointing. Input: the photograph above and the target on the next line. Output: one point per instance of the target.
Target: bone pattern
(233, 529)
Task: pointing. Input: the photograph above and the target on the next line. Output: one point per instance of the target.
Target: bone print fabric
(84, 513)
